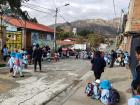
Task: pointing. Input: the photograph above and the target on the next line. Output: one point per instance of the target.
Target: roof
(26, 24)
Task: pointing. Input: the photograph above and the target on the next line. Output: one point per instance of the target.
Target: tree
(14, 4)
(84, 33)
(95, 40)
(61, 34)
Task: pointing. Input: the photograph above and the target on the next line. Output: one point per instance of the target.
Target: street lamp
(55, 25)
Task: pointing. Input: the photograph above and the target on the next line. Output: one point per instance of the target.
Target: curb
(66, 93)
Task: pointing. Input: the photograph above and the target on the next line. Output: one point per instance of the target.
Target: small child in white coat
(11, 61)
(96, 90)
(105, 86)
(18, 65)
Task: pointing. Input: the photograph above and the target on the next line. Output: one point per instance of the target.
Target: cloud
(78, 9)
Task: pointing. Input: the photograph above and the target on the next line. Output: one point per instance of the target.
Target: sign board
(14, 40)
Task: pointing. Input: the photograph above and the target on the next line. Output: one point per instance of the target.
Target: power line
(34, 7)
(37, 9)
(38, 6)
(63, 17)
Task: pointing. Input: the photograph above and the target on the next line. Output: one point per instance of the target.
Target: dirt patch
(6, 85)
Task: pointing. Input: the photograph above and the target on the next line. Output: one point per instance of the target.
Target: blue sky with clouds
(78, 9)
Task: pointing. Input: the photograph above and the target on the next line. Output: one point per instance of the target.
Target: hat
(105, 84)
(34, 44)
(97, 81)
(18, 55)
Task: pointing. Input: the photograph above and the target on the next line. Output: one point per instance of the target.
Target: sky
(44, 10)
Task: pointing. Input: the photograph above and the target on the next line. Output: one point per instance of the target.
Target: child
(135, 100)
(18, 65)
(105, 86)
(11, 62)
(96, 90)
(25, 59)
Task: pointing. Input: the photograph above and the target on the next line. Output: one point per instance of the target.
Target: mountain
(104, 27)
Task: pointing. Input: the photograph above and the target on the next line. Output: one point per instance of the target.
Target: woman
(98, 64)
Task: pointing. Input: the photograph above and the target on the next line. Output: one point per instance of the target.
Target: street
(54, 78)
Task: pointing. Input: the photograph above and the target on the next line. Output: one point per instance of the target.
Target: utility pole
(55, 25)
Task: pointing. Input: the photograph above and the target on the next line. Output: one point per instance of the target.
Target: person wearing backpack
(96, 90)
(109, 95)
(92, 89)
(18, 65)
(105, 86)
(135, 99)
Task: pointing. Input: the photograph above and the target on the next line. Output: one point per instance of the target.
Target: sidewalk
(120, 78)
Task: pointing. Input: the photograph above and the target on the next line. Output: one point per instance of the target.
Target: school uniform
(135, 100)
(11, 63)
(18, 64)
(105, 85)
(96, 92)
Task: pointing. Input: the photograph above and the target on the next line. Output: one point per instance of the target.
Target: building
(23, 34)
(131, 36)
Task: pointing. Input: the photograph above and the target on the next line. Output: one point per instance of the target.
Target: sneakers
(22, 76)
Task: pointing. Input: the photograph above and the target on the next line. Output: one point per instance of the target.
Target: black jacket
(37, 53)
(98, 64)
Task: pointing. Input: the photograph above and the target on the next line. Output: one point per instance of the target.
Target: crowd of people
(104, 91)
(18, 60)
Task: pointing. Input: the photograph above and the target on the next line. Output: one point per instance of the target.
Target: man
(137, 69)
(37, 56)
(113, 58)
(4, 52)
(98, 64)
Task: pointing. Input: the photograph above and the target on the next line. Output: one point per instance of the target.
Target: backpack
(17, 62)
(114, 97)
(89, 89)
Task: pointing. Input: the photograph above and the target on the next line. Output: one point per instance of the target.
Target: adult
(98, 65)
(4, 52)
(37, 56)
(113, 58)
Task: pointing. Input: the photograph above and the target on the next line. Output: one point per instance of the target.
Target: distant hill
(105, 27)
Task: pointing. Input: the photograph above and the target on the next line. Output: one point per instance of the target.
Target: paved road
(120, 78)
(37, 88)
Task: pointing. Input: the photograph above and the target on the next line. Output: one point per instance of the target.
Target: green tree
(61, 34)
(84, 33)
(95, 40)
(14, 7)
(14, 4)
